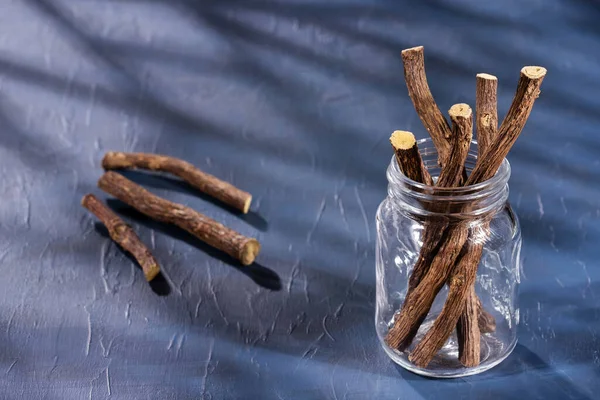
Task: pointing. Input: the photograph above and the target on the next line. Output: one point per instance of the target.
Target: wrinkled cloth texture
(293, 101)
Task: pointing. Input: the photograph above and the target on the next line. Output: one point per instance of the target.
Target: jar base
(446, 364)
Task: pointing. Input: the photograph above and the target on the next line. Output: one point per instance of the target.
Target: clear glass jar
(401, 220)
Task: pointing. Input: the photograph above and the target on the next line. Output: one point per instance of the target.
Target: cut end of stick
(402, 140)
(247, 204)
(460, 110)
(249, 251)
(151, 272)
(487, 77)
(534, 72)
(417, 49)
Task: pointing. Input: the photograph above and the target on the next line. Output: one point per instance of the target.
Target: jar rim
(422, 191)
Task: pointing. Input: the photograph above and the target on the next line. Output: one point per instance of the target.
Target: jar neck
(462, 202)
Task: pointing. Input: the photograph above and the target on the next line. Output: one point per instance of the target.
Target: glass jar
(401, 221)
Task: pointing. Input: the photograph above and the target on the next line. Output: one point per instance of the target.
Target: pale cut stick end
(460, 110)
(487, 77)
(402, 140)
(247, 204)
(151, 272)
(249, 251)
(534, 72)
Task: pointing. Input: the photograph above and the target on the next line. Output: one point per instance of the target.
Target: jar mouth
(490, 190)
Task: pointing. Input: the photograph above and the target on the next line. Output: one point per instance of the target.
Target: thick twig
(420, 94)
(486, 109)
(204, 228)
(416, 306)
(206, 183)
(123, 235)
(408, 157)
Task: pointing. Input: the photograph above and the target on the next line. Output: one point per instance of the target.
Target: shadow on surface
(522, 375)
(159, 284)
(160, 181)
(260, 274)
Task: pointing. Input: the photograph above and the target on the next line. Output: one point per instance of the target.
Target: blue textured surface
(293, 101)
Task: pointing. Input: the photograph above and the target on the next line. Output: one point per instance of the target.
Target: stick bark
(426, 107)
(486, 109)
(206, 183)
(123, 235)
(204, 228)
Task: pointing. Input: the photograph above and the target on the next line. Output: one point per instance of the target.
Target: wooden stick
(462, 133)
(468, 332)
(486, 107)
(206, 183)
(485, 320)
(123, 235)
(408, 157)
(426, 107)
(416, 307)
(204, 228)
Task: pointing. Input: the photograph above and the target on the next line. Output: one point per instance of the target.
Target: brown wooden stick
(409, 160)
(408, 157)
(206, 183)
(462, 133)
(486, 108)
(204, 228)
(415, 307)
(426, 107)
(468, 332)
(123, 235)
